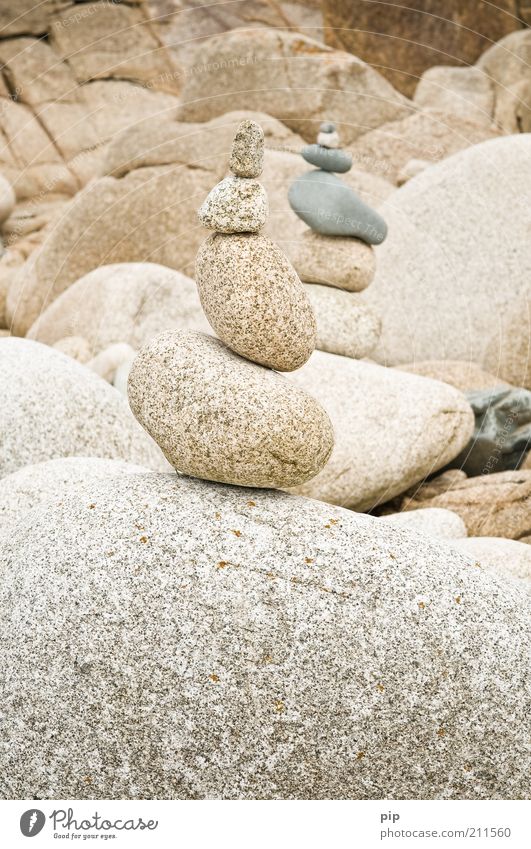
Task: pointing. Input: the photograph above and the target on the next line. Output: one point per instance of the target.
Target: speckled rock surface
(465, 376)
(188, 640)
(53, 407)
(48, 482)
(254, 300)
(497, 505)
(344, 326)
(392, 429)
(124, 302)
(247, 152)
(334, 260)
(223, 418)
(504, 557)
(432, 522)
(235, 205)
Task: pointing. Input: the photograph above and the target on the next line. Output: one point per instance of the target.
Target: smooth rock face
(7, 199)
(47, 483)
(411, 169)
(76, 347)
(497, 505)
(220, 417)
(508, 352)
(465, 376)
(468, 92)
(247, 153)
(445, 277)
(235, 205)
(503, 557)
(330, 207)
(502, 433)
(329, 159)
(253, 625)
(125, 302)
(53, 407)
(433, 522)
(392, 429)
(110, 359)
(342, 262)
(507, 61)
(344, 326)
(254, 300)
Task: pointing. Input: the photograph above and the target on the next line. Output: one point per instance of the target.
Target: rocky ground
(265, 431)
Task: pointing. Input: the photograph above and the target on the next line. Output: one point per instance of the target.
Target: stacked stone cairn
(218, 408)
(335, 255)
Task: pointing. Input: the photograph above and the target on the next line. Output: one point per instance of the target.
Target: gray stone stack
(335, 255)
(218, 409)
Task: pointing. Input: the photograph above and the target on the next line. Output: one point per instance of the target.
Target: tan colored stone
(411, 169)
(7, 199)
(392, 429)
(219, 417)
(247, 153)
(334, 260)
(467, 377)
(507, 62)
(502, 557)
(467, 92)
(344, 325)
(270, 71)
(255, 301)
(235, 205)
(497, 505)
(76, 347)
(432, 522)
(513, 107)
(108, 361)
(508, 352)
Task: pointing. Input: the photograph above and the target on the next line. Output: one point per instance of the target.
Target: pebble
(247, 154)
(235, 205)
(327, 158)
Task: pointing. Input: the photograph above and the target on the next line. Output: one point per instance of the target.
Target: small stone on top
(247, 154)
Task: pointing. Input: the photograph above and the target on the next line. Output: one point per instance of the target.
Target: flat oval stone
(235, 205)
(254, 300)
(219, 417)
(330, 207)
(327, 158)
(340, 261)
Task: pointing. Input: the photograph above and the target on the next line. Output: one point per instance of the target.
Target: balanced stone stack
(217, 408)
(335, 255)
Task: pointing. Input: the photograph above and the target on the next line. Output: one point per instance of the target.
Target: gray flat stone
(327, 158)
(331, 208)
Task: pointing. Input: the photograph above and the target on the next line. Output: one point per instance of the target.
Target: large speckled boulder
(123, 302)
(170, 638)
(54, 407)
(392, 429)
(220, 417)
(46, 483)
(444, 277)
(254, 300)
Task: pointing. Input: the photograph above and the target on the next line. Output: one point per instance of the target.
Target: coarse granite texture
(254, 300)
(220, 417)
(330, 207)
(432, 522)
(344, 325)
(505, 557)
(169, 638)
(392, 429)
(329, 159)
(247, 152)
(53, 406)
(235, 205)
(338, 261)
(47, 483)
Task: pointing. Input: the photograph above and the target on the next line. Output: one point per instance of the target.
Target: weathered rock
(443, 276)
(344, 326)
(270, 70)
(220, 417)
(513, 107)
(468, 92)
(247, 153)
(108, 361)
(507, 62)
(432, 522)
(497, 505)
(411, 169)
(331, 208)
(502, 433)
(258, 621)
(126, 302)
(54, 407)
(406, 39)
(235, 205)
(254, 300)
(429, 135)
(7, 199)
(503, 557)
(508, 352)
(334, 260)
(47, 483)
(391, 429)
(465, 376)
(76, 347)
